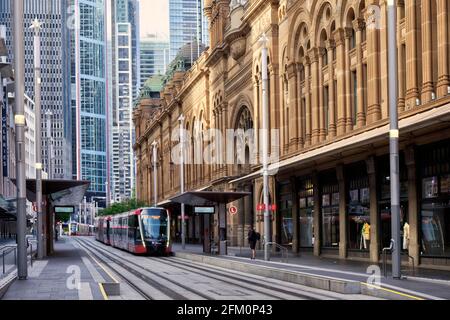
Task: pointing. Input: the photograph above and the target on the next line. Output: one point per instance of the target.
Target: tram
(143, 231)
(79, 229)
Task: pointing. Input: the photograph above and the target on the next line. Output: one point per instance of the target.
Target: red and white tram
(142, 231)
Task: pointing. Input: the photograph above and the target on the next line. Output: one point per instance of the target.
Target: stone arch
(300, 18)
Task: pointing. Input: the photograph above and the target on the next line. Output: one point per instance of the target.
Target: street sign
(233, 210)
(262, 207)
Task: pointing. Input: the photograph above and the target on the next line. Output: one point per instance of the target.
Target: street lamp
(393, 139)
(183, 222)
(19, 122)
(36, 27)
(155, 172)
(265, 142)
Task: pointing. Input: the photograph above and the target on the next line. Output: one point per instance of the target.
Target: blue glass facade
(89, 101)
(187, 24)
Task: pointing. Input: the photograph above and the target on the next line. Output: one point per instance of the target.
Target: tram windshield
(154, 224)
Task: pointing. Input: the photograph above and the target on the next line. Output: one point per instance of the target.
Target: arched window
(244, 139)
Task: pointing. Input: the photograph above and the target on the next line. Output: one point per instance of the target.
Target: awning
(425, 119)
(60, 192)
(208, 198)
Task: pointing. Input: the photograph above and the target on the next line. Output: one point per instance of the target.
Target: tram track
(125, 263)
(141, 276)
(272, 291)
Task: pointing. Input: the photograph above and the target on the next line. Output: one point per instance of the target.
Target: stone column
(331, 102)
(317, 215)
(295, 217)
(359, 25)
(340, 71)
(322, 129)
(240, 226)
(308, 103)
(374, 217)
(314, 58)
(373, 70)
(427, 52)
(342, 211)
(443, 45)
(293, 103)
(348, 83)
(413, 208)
(249, 213)
(412, 88)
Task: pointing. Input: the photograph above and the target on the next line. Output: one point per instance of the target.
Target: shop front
(434, 174)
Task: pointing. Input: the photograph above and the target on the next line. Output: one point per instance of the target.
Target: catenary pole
(155, 172)
(19, 121)
(183, 222)
(393, 138)
(265, 143)
(36, 27)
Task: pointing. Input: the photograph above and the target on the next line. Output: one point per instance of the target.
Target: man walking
(252, 239)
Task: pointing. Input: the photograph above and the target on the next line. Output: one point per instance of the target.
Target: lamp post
(19, 121)
(265, 143)
(36, 27)
(155, 172)
(183, 222)
(393, 139)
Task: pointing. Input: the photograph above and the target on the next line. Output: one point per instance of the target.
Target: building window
(285, 213)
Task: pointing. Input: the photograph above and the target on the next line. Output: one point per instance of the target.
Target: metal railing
(5, 251)
(403, 253)
(284, 250)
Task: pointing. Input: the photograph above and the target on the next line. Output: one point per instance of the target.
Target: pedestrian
(252, 239)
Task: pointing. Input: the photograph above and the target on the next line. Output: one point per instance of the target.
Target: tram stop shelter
(218, 201)
(55, 193)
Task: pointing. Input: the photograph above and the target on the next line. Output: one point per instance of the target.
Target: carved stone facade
(328, 97)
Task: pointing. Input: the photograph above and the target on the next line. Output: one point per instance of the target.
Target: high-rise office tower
(89, 85)
(154, 57)
(55, 64)
(187, 24)
(123, 29)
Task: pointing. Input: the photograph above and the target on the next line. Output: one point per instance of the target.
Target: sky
(154, 16)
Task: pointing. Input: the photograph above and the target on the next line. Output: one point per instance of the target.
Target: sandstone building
(328, 97)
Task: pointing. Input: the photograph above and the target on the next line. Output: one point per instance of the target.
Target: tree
(122, 207)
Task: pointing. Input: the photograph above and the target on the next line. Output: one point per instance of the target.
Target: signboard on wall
(5, 137)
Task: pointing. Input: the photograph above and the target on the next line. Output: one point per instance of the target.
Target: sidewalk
(54, 278)
(428, 284)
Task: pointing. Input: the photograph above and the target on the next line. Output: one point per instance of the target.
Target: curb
(337, 285)
(6, 282)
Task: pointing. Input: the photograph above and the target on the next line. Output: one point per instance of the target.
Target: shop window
(359, 212)
(330, 210)
(285, 212)
(384, 201)
(434, 167)
(306, 209)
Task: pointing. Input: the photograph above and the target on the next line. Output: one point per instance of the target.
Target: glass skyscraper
(55, 64)
(187, 24)
(154, 57)
(89, 96)
(124, 38)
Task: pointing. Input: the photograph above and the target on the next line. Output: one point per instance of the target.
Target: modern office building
(124, 33)
(154, 56)
(89, 105)
(187, 24)
(55, 69)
